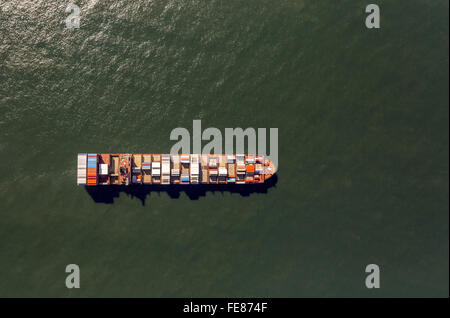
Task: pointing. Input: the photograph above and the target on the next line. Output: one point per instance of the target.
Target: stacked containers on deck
(92, 169)
(250, 159)
(175, 171)
(204, 167)
(81, 172)
(146, 169)
(223, 172)
(212, 169)
(195, 168)
(165, 167)
(185, 160)
(231, 169)
(156, 168)
(241, 169)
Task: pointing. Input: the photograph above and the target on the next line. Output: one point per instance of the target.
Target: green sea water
(362, 117)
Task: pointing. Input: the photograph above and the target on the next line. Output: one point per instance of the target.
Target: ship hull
(166, 169)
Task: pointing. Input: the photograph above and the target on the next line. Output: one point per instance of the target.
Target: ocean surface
(363, 124)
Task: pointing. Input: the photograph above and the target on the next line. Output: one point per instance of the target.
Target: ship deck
(123, 169)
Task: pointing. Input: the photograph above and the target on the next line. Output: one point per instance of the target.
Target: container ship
(125, 169)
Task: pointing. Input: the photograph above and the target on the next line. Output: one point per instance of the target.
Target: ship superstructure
(165, 169)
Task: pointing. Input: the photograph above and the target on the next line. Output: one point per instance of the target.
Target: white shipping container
(81, 172)
(195, 169)
(156, 165)
(166, 168)
(223, 171)
(81, 181)
(103, 169)
(82, 159)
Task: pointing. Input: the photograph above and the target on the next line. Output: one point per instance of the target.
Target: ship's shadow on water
(106, 194)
